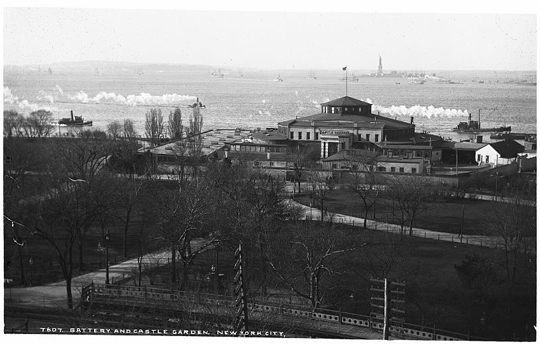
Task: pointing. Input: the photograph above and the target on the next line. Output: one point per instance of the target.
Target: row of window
(256, 148)
(335, 109)
(368, 136)
(480, 158)
(382, 169)
(393, 169)
(308, 136)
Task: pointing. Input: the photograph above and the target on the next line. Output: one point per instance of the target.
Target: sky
(281, 37)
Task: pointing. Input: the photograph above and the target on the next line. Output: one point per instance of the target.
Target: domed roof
(346, 101)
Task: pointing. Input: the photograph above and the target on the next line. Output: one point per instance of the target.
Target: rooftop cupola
(346, 106)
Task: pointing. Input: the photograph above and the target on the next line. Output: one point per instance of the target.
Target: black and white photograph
(305, 170)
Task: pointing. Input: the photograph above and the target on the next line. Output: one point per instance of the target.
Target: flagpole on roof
(346, 79)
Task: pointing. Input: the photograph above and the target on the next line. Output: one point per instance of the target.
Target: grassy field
(45, 267)
(443, 215)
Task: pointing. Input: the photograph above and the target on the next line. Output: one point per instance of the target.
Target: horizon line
(253, 68)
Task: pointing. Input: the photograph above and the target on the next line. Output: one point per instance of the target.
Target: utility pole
(241, 320)
(388, 304)
(386, 324)
(461, 228)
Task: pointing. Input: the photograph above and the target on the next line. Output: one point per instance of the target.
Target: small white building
(499, 153)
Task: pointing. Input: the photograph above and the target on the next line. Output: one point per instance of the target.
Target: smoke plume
(132, 100)
(430, 112)
(23, 104)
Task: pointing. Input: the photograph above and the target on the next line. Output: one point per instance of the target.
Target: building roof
(269, 136)
(333, 119)
(258, 156)
(358, 155)
(211, 141)
(507, 148)
(365, 120)
(400, 160)
(346, 101)
(463, 146)
(411, 147)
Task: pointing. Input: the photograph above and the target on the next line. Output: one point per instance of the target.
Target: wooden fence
(335, 319)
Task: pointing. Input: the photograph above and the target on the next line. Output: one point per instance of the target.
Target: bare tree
(514, 224)
(319, 190)
(182, 213)
(81, 161)
(13, 122)
(38, 124)
(114, 129)
(301, 157)
(265, 207)
(175, 124)
(310, 250)
(154, 126)
(364, 180)
(410, 194)
(129, 129)
(60, 216)
(130, 189)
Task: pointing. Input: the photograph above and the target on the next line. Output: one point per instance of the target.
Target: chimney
(412, 119)
(72, 115)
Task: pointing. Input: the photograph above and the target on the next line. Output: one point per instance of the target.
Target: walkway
(54, 294)
(478, 240)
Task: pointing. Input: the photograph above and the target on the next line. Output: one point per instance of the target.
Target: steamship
(74, 121)
(474, 127)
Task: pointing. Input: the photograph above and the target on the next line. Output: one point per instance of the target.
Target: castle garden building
(343, 122)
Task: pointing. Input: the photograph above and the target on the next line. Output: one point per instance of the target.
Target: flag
(344, 68)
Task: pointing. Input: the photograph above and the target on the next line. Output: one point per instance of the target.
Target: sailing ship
(312, 75)
(351, 77)
(217, 74)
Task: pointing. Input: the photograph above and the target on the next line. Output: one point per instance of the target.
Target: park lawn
(442, 216)
(45, 267)
(434, 295)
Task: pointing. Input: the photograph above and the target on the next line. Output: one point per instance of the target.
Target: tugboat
(74, 121)
(474, 127)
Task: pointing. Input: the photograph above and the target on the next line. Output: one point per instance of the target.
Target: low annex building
(264, 148)
(499, 153)
(367, 161)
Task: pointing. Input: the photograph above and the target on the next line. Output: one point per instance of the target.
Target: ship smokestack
(72, 115)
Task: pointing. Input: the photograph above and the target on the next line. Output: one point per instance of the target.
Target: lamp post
(31, 262)
(355, 298)
(106, 239)
(496, 184)
(100, 250)
(483, 323)
(214, 278)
